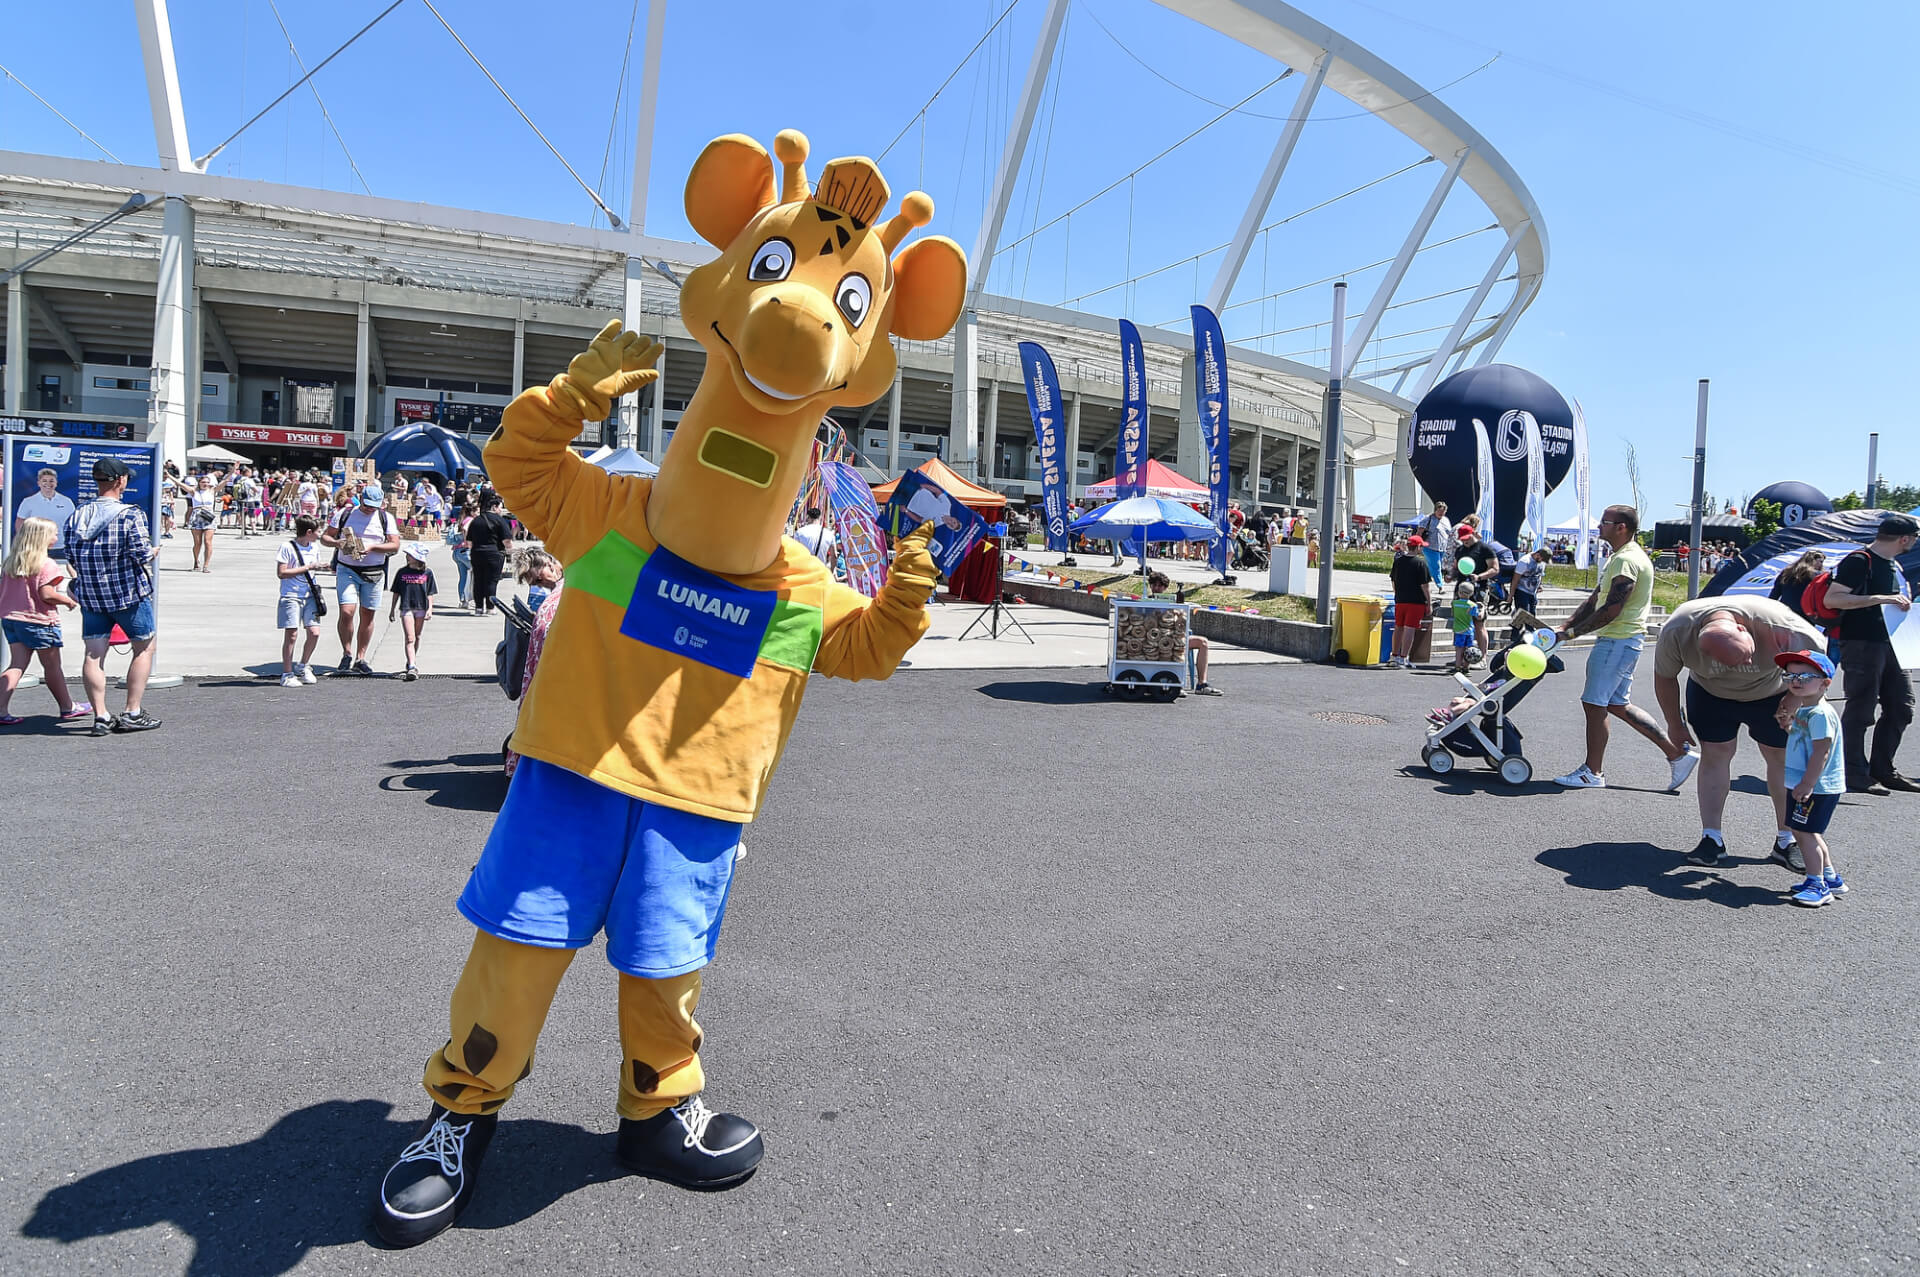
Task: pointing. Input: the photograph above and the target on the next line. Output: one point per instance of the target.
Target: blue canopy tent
(1139, 520)
(425, 447)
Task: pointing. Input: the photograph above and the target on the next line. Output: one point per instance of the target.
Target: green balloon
(1526, 661)
(1468, 567)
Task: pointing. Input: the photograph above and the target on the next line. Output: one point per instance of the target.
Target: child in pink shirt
(29, 593)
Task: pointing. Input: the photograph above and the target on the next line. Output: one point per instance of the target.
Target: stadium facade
(310, 321)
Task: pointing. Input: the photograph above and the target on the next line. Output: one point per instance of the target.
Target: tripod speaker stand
(996, 616)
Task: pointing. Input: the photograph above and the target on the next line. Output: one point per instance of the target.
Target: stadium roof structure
(363, 287)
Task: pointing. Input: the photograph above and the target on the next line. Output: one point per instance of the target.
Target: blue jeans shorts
(356, 590)
(1610, 671)
(567, 857)
(33, 637)
(296, 613)
(136, 620)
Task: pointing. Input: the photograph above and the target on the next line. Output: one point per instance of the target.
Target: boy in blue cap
(1816, 776)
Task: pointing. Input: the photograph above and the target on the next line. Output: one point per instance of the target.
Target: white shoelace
(443, 1142)
(694, 1115)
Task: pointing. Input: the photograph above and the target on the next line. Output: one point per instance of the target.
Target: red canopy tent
(982, 501)
(1158, 481)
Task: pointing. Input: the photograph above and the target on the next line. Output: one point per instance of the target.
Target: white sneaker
(1682, 768)
(306, 673)
(289, 680)
(1582, 777)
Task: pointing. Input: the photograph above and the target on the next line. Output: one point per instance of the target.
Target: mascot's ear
(929, 287)
(731, 182)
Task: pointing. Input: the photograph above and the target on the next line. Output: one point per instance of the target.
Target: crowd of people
(1762, 666)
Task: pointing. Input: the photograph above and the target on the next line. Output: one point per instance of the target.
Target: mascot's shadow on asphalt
(232, 1201)
(464, 782)
(1618, 866)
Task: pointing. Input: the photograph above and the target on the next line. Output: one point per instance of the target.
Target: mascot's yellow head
(795, 315)
(807, 288)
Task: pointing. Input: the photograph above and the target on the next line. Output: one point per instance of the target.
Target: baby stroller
(1251, 554)
(1477, 724)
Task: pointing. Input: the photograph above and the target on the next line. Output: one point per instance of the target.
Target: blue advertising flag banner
(917, 500)
(1131, 458)
(1210, 384)
(1044, 402)
(71, 463)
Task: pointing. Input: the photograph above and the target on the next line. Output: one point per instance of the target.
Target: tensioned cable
(1361, 270)
(324, 113)
(619, 95)
(1414, 301)
(958, 68)
(201, 163)
(612, 217)
(56, 110)
(1115, 184)
(1262, 115)
(1829, 159)
(1159, 270)
(1345, 274)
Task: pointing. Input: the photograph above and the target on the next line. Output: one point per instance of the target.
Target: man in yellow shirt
(1617, 610)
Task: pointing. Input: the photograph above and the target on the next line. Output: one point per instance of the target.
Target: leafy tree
(1895, 496)
(1766, 518)
(1852, 501)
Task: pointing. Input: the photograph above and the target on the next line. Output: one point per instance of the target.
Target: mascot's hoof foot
(691, 1146)
(431, 1183)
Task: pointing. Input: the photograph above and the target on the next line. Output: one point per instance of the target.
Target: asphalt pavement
(1016, 978)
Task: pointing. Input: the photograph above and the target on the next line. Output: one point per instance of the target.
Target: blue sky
(1767, 263)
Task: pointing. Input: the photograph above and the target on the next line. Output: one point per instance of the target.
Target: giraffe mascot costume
(678, 656)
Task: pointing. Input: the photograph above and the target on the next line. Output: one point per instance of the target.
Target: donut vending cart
(1147, 648)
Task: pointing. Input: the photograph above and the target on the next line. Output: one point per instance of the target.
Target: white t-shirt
(309, 494)
(292, 552)
(370, 526)
(814, 536)
(55, 508)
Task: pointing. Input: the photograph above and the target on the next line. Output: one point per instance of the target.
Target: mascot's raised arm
(678, 656)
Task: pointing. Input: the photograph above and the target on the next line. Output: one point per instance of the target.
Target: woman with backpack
(1790, 587)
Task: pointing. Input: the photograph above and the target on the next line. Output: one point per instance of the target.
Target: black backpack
(510, 655)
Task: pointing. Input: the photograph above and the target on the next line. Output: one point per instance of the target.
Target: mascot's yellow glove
(617, 363)
(913, 575)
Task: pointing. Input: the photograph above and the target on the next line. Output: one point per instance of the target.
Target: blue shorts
(31, 635)
(356, 590)
(136, 620)
(1610, 671)
(294, 612)
(567, 857)
(1813, 816)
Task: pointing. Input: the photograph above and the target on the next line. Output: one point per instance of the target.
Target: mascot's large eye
(773, 261)
(854, 297)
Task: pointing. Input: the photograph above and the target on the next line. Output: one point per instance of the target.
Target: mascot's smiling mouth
(762, 386)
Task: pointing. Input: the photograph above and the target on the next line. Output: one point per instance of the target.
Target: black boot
(431, 1183)
(691, 1146)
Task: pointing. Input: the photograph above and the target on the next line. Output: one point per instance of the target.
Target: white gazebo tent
(214, 452)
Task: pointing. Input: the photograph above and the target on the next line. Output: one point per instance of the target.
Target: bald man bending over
(1727, 645)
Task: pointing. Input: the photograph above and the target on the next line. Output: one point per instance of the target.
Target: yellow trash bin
(1356, 636)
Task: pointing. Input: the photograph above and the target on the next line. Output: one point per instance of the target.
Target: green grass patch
(1287, 607)
(1363, 560)
(1669, 588)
